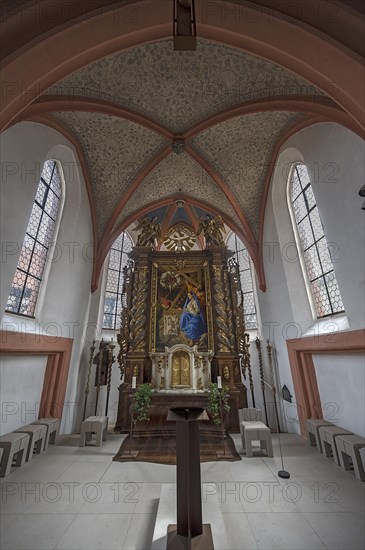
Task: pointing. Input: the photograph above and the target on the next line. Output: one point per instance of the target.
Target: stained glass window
(243, 259)
(38, 238)
(113, 297)
(317, 258)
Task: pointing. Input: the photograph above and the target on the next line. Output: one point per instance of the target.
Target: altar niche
(181, 368)
(180, 329)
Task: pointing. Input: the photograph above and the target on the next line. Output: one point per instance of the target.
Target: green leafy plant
(142, 402)
(214, 402)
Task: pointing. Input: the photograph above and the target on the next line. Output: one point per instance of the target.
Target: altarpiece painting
(182, 310)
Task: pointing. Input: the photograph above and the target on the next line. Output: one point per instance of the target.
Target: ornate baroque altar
(182, 325)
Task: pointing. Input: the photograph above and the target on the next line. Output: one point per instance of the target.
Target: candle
(219, 381)
(134, 382)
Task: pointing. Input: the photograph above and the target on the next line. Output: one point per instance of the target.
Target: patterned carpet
(162, 450)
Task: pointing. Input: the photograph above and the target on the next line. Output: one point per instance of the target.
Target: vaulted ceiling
(152, 126)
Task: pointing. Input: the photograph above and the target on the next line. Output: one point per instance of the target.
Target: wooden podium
(189, 533)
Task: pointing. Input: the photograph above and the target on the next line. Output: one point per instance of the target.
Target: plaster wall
(335, 159)
(64, 301)
(342, 401)
(20, 390)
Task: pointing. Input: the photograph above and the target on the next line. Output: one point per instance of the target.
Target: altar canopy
(182, 326)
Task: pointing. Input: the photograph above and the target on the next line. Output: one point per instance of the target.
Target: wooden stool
(328, 436)
(37, 434)
(53, 430)
(94, 425)
(252, 431)
(348, 446)
(313, 426)
(14, 447)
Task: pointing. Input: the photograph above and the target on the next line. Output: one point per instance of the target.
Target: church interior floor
(77, 498)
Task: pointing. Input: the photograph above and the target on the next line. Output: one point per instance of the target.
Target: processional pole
(243, 339)
(269, 353)
(91, 358)
(247, 345)
(98, 374)
(109, 378)
(262, 377)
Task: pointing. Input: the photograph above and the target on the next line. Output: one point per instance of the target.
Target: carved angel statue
(150, 232)
(212, 229)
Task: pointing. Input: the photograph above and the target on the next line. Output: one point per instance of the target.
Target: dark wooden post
(189, 533)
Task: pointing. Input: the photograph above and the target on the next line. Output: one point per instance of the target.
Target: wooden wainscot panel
(58, 350)
(301, 352)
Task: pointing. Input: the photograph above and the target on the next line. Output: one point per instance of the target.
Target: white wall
(64, 308)
(343, 402)
(20, 390)
(335, 159)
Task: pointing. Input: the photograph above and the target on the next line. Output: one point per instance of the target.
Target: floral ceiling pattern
(240, 150)
(115, 150)
(178, 174)
(177, 90)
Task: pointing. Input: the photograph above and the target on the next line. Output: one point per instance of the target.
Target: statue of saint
(212, 229)
(150, 232)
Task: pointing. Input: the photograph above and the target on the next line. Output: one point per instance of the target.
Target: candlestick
(219, 382)
(134, 382)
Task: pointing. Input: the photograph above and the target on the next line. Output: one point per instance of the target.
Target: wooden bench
(14, 448)
(94, 425)
(313, 426)
(37, 434)
(328, 435)
(53, 430)
(348, 447)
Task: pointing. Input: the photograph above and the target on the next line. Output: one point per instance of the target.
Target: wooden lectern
(189, 533)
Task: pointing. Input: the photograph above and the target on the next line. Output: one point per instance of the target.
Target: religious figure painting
(181, 316)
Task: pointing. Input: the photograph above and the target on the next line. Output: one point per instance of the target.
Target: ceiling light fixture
(184, 31)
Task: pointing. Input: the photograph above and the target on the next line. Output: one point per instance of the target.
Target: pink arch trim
(290, 43)
(51, 104)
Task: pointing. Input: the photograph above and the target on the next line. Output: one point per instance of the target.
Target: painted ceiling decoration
(116, 150)
(178, 174)
(154, 126)
(180, 89)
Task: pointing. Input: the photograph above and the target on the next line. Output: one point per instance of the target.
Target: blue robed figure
(192, 321)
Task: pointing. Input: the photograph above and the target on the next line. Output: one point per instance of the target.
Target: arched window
(38, 238)
(113, 297)
(243, 259)
(316, 256)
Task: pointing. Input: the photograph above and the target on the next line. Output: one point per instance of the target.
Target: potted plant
(142, 402)
(215, 398)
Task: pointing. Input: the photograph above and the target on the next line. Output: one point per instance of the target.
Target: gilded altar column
(138, 361)
(134, 333)
(226, 361)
